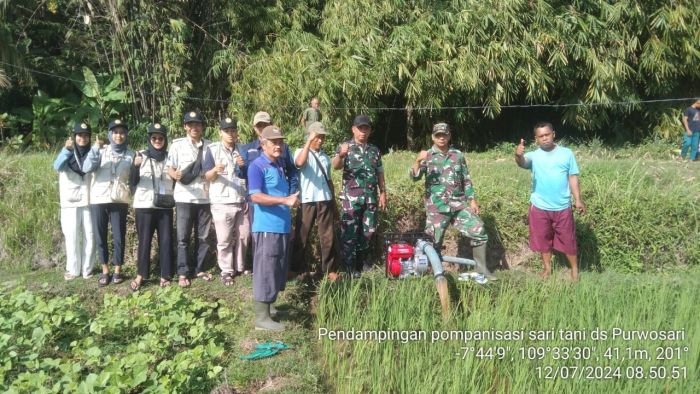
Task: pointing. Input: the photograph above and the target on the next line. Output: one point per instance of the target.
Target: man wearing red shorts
(554, 180)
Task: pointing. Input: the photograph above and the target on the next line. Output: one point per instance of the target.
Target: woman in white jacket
(110, 196)
(151, 178)
(74, 186)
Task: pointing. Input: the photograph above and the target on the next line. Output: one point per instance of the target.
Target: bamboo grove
(406, 62)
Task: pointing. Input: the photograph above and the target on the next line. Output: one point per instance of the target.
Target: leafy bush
(160, 341)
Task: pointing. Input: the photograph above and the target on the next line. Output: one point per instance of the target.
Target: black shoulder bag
(192, 171)
(160, 200)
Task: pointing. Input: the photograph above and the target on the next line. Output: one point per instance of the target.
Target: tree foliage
(596, 59)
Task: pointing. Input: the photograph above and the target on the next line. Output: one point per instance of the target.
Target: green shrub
(161, 341)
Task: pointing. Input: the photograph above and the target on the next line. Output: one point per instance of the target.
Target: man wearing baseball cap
(272, 203)
(227, 193)
(191, 198)
(449, 195)
(363, 190)
(253, 150)
(317, 203)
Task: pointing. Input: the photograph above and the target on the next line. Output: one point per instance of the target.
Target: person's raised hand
(520, 149)
(219, 167)
(239, 161)
(344, 147)
(422, 155)
(138, 159)
(69, 144)
(99, 141)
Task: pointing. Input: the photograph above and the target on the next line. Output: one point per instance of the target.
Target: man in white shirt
(191, 198)
(227, 191)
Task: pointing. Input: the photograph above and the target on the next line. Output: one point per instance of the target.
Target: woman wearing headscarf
(73, 187)
(153, 213)
(110, 196)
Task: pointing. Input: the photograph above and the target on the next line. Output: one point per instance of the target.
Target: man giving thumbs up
(554, 180)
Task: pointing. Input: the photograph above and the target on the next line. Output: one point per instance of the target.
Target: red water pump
(403, 260)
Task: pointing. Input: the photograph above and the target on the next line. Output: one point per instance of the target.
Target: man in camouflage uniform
(449, 195)
(363, 177)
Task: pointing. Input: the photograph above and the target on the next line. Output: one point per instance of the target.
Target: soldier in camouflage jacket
(363, 190)
(449, 194)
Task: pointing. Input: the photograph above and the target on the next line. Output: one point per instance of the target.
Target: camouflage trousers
(464, 220)
(358, 223)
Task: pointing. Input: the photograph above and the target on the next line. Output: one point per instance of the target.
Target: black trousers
(149, 221)
(322, 214)
(102, 216)
(189, 216)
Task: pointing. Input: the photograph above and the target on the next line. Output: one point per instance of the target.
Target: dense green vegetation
(62, 60)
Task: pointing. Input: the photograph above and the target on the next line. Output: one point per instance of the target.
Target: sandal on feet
(135, 286)
(164, 282)
(117, 278)
(227, 279)
(103, 280)
(205, 276)
(183, 282)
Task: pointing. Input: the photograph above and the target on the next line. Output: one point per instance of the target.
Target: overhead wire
(430, 108)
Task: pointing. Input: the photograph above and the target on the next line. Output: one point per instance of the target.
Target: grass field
(638, 246)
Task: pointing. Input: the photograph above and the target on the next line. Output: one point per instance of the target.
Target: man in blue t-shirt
(554, 180)
(691, 124)
(269, 193)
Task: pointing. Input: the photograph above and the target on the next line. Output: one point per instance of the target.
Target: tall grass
(604, 301)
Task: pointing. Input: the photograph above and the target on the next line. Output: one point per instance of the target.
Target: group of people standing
(248, 191)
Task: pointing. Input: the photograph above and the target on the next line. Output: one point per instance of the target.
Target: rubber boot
(273, 310)
(479, 253)
(262, 318)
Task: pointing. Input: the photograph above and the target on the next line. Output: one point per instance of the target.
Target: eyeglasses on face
(156, 139)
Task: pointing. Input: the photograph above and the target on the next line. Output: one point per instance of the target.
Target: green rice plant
(505, 336)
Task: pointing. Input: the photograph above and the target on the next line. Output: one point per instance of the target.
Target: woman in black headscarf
(152, 204)
(74, 185)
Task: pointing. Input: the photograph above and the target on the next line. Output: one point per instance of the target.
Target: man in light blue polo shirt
(554, 181)
(317, 204)
(269, 194)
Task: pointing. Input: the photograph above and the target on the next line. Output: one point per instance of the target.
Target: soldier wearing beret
(449, 195)
(363, 190)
